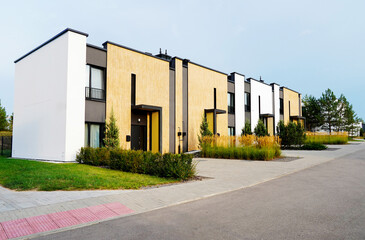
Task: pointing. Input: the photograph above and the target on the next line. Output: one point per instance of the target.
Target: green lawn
(23, 175)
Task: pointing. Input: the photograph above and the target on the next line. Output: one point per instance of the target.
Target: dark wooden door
(139, 137)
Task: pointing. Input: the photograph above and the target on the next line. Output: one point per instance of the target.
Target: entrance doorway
(139, 137)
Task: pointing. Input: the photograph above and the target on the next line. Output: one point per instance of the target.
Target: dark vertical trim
(133, 89)
(215, 98)
(259, 105)
(289, 111)
(160, 131)
(214, 121)
(150, 129)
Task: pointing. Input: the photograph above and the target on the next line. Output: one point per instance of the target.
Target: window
(95, 83)
(231, 131)
(247, 102)
(94, 134)
(230, 99)
(281, 106)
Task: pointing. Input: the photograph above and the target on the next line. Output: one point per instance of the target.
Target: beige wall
(293, 97)
(152, 88)
(201, 84)
(178, 102)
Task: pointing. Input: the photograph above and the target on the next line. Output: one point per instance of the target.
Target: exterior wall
(49, 124)
(265, 92)
(201, 84)
(276, 106)
(293, 98)
(178, 103)
(152, 88)
(239, 102)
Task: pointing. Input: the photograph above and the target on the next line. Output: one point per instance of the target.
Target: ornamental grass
(247, 147)
(326, 138)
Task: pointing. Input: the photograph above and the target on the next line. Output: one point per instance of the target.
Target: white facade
(264, 91)
(49, 100)
(239, 89)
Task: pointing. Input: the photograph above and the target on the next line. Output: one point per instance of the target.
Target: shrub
(111, 139)
(260, 129)
(247, 129)
(291, 134)
(169, 165)
(314, 146)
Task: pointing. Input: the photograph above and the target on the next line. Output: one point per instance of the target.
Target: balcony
(94, 94)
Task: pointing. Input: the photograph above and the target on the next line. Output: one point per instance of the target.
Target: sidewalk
(223, 176)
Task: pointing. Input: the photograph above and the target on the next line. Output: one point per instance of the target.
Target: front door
(139, 137)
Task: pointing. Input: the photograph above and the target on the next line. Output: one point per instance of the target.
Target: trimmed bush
(314, 146)
(179, 166)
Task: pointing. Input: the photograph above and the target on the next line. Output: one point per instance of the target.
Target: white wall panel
(239, 88)
(47, 95)
(265, 92)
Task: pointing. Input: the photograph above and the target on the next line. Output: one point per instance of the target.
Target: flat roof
(134, 50)
(50, 40)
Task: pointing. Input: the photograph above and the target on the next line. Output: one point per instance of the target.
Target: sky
(305, 45)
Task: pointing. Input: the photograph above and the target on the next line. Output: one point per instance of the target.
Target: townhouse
(66, 89)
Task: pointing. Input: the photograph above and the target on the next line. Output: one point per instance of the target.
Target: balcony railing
(231, 109)
(94, 93)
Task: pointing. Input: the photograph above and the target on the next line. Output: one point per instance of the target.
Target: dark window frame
(231, 108)
(88, 90)
(101, 133)
(233, 132)
(247, 104)
(281, 106)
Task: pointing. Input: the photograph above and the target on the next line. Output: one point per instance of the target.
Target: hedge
(179, 166)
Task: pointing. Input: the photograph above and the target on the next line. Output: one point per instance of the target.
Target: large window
(230, 103)
(247, 102)
(94, 134)
(95, 83)
(281, 106)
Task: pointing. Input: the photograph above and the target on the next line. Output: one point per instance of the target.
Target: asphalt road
(323, 202)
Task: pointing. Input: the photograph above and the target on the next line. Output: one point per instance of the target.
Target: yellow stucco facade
(292, 104)
(201, 84)
(152, 88)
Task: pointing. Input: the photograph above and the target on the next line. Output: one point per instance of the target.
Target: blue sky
(306, 45)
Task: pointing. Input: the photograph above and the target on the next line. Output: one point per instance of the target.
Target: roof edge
(132, 49)
(50, 40)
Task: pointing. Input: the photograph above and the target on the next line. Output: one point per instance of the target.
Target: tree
(111, 139)
(260, 129)
(204, 130)
(312, 112)
(329, 107)
(350, 119)
(246, 130)
(3, 119)
(10, 123)
(340, 122)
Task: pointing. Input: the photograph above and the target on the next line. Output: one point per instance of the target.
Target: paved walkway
(225, 176)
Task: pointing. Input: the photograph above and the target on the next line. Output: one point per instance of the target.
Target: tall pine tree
(111, 139)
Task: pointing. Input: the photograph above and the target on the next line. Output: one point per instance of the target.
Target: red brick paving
(43, 223)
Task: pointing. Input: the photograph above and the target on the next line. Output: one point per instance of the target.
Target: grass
(22, 175)
(247, 147)
(325, 138)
